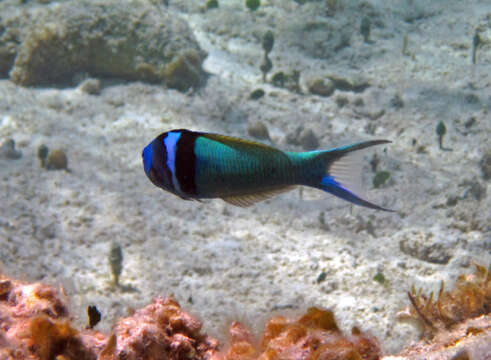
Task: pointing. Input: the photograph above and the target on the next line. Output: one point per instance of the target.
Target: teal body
(222, 170)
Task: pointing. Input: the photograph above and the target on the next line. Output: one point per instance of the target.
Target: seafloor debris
(35, 324)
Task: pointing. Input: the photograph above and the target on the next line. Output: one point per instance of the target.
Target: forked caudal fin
(343, 173)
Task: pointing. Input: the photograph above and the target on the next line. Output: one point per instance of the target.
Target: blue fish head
(147, 155)
(154, 157)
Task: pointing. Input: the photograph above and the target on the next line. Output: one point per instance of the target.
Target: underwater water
(86, 85)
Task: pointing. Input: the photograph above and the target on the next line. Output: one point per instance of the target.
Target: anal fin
(251, 199)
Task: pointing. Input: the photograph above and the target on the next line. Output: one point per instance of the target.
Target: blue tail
(342, 173)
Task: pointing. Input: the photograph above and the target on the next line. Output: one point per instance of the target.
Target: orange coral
(51, 338)
(34, 324)
(314, 336)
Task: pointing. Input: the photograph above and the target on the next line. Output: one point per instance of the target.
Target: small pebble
(396, 102)
(322, 276)
(257, 94)
(8, 151)
(279, 79)
(57, 160)
(308, 140)
(258, 130)
(91, 86)
(303, 137)
(322, 87)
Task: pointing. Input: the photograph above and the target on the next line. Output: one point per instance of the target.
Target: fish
(199, 165)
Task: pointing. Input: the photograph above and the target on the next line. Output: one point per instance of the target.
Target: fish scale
(230, 173)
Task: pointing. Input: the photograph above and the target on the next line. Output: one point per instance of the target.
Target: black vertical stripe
(186, 162)
(162, 171)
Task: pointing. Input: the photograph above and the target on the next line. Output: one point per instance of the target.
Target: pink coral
(161, 330)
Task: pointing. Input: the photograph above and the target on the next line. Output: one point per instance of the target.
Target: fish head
(154, 163)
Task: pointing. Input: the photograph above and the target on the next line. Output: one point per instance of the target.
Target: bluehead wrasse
(196, 165)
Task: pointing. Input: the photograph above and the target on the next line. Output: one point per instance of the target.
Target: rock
(184, 72)
(103, 39)
(356, 83)
(320, 39)
(258, 130)
(8, 151)
(11, 23)
(308, 140)
(256, 94)
(322, 87)
(90, 86)
(57, 160)
(427, 246)
(303, 137)
(396, 102)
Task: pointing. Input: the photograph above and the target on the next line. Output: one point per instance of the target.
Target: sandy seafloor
(222, 262)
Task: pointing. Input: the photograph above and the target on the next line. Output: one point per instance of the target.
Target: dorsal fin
(251, 199)
(240, 144)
